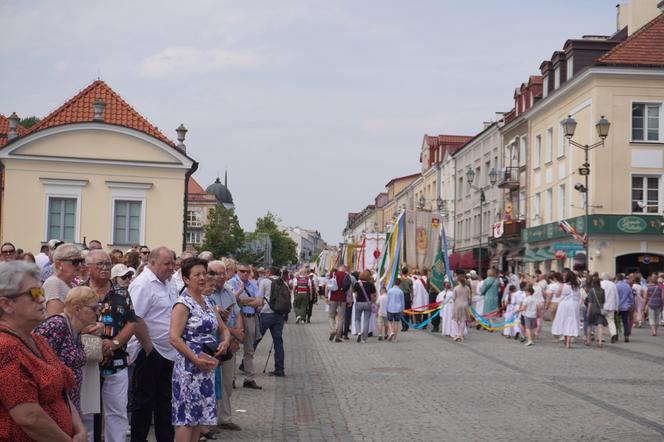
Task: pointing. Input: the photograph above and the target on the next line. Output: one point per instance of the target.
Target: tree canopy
(223, 234)
(284, 249)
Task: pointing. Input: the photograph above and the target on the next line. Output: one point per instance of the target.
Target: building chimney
(98, 105)
(182, 133)
(13, 126)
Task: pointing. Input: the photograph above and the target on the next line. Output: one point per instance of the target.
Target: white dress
(567, 321)
(446, 322)
(420, 295)
(512, 308)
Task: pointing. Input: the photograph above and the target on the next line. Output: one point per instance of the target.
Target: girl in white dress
(566, 322)
(446, 322)
(512, 307)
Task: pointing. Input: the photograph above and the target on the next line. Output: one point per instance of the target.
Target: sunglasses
(35, 293)
(75, 261)
(8, 252)
(213, 273)
(104, 265)
(127, 276)
(243, 271)
(145, 253)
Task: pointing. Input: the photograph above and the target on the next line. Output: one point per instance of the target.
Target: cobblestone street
(425, 387)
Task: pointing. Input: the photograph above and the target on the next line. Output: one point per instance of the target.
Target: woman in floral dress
(194, 323)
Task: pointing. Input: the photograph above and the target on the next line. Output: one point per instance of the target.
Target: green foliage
(284, 249)
(28, 122)
(223, 234)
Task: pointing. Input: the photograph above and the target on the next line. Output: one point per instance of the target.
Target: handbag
(601, 307)
(92, 347)
(332, 283)
(210, 348)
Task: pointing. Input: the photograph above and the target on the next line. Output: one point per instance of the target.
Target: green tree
(28, 122)
(284, 249)
(223, 234)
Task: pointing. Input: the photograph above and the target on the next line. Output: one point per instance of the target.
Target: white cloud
(61, 66)
(187, 61)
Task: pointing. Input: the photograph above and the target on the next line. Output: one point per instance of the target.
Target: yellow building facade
(83, 173)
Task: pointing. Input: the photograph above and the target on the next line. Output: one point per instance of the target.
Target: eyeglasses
(243, 271)
(127, 276)
(212, 273)
(104, 264)
(145, 253)
(8, 252)
(75, 261)
(34, 292)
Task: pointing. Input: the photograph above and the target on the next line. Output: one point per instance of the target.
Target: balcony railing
(509, 178)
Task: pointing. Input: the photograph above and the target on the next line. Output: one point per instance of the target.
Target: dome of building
(221, 192)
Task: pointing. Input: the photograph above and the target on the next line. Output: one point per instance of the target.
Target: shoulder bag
(374, 307)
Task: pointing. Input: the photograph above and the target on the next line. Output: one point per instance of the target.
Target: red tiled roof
(78, 109)
(4, 130)
(194, 188)
(645, 47)
(438, 140)
(414, 175)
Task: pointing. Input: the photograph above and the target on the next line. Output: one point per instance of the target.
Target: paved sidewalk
(426, 387)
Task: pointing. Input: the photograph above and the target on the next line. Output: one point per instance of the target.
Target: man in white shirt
(42, 258)
(153, 297)
(610, 304)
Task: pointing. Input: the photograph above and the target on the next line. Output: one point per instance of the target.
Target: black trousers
(152, 396)
(435, 322)
(348, 318)
(408, 303)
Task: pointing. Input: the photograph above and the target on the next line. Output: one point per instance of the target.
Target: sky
(311, 106)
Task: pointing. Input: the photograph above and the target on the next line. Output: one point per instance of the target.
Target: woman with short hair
(63, 333)
(193, 330)
(35, 387)
(67, 262)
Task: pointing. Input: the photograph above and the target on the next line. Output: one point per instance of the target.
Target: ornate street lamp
(493, 177)
(602, 127)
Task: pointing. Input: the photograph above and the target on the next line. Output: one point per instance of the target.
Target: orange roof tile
(194, 187)
(437, 140)
(78, 109)
(4, 130)
(645, 47)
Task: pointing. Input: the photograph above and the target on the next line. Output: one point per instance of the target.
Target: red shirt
(27, 378)
(339, 295)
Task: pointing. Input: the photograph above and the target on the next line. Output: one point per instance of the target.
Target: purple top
(625, 296)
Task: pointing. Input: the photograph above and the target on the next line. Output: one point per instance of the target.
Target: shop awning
(545, 254)
(454, 259)
(531, 256)
(467, 261)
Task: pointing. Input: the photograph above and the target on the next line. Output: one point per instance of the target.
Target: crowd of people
(117, 342)
(113, 343)
(578, 303)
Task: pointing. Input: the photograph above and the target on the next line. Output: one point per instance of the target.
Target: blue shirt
(250, 291)
(625, 296)
(395, 300)
(223, 298)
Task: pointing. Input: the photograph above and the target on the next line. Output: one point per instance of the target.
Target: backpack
(280, 299)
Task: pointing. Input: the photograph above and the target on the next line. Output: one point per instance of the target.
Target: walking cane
(268, 357)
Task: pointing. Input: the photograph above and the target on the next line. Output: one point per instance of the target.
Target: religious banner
(498, 229)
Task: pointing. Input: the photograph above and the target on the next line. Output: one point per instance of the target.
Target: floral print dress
(194, 402)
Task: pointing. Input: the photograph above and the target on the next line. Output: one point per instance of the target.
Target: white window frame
(545, 86)
(537, 213)
(660, 187)
(556, 78)
(537, 156)
(194, 233)
(561, 202)
(63, 188)
(660, 138)
(121, 191)
(522, 151)
(198, 211)
(561, 142)
(570, 68)
(548, 149)
(548, 202)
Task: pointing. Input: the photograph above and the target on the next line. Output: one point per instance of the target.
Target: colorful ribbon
(482, 321)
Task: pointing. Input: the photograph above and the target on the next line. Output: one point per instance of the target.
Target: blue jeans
(275, 323)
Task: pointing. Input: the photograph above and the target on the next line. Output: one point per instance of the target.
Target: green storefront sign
(599, 225)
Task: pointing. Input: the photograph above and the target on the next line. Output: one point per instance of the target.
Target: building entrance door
(644, 263)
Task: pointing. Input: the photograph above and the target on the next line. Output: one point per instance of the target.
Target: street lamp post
(602, 126)
(493, 177)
